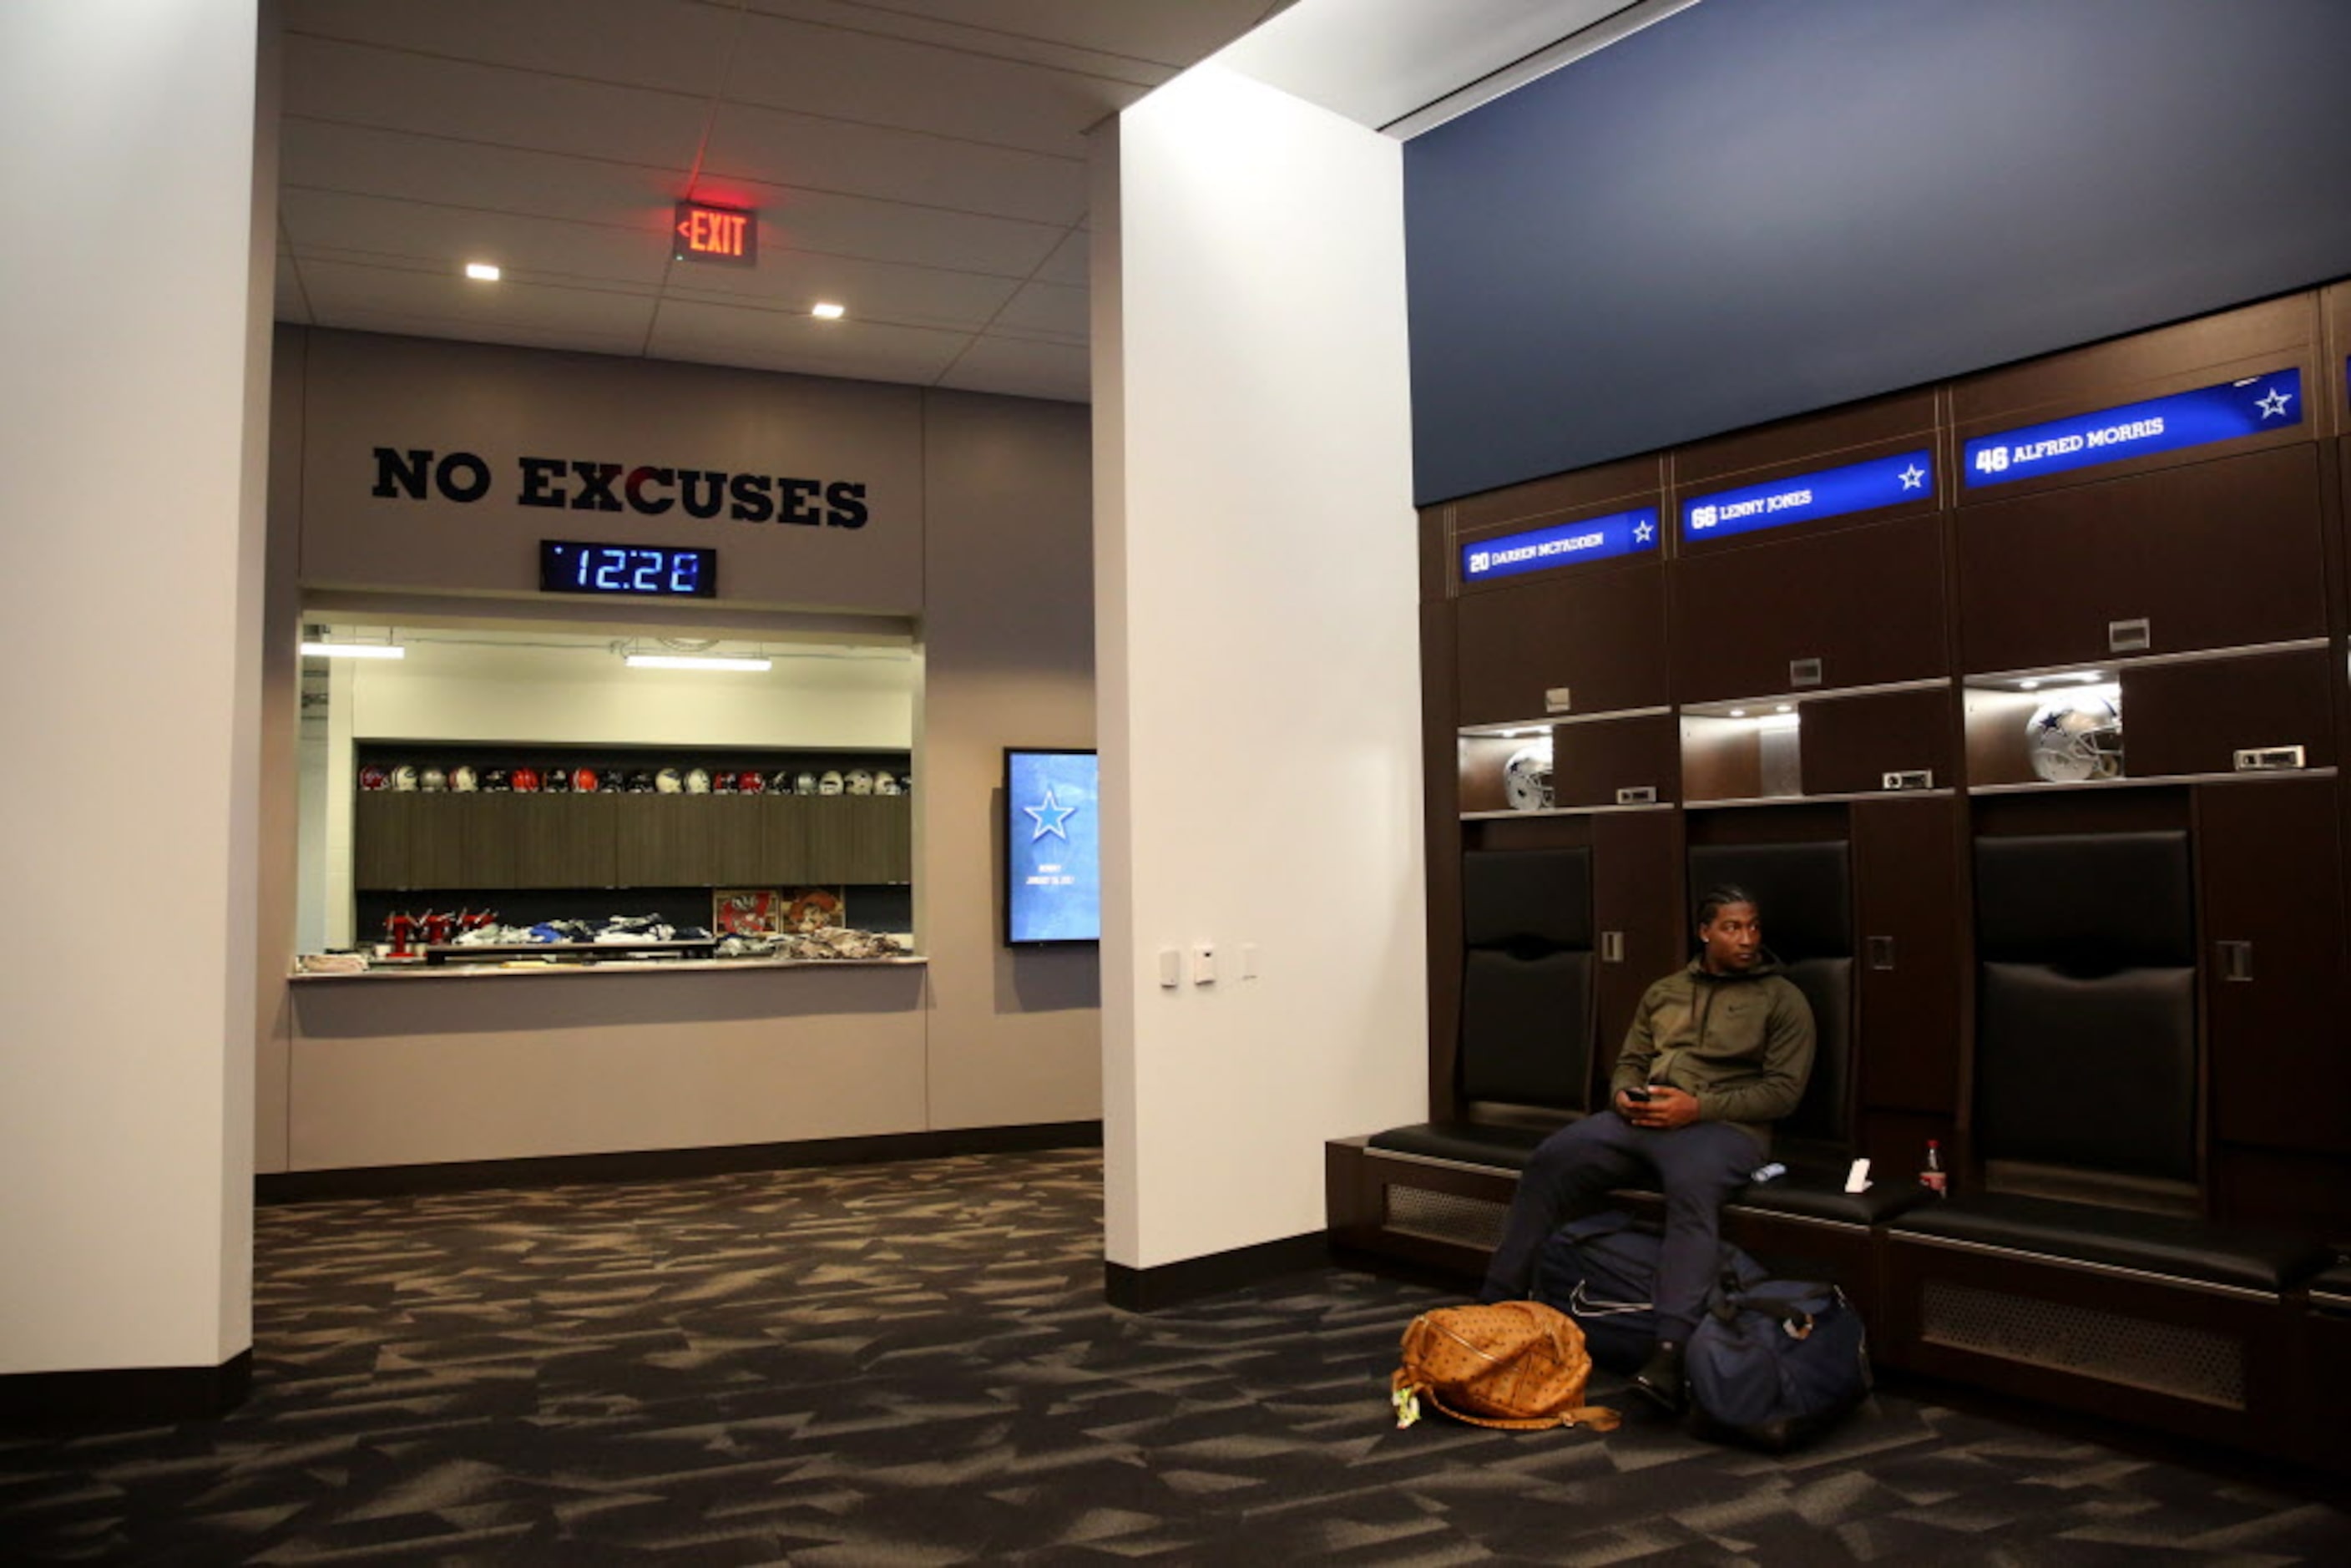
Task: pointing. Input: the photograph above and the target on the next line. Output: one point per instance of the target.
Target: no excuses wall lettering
(586, 486)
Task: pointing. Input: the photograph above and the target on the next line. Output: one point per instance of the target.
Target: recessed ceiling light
(1784, 707)
(825, 310)
(2028, 685)
(1739, 713)
(482, 271)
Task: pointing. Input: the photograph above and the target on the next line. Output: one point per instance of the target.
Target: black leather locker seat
(2331, 1288)
(1500, 1148)
(1814, 1189)
(2151, 1243)
(1526, 1004)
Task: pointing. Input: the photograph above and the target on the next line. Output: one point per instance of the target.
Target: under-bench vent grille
(2167, 1358)
(1446, 1217)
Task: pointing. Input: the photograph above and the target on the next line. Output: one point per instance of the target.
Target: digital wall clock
(627, 572)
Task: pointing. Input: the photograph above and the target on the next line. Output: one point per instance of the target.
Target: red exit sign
(716, 234)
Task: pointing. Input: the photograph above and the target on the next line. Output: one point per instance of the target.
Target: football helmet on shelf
(2075, 737)
(1526, 778)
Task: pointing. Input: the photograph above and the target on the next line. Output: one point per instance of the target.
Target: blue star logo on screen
(1053, 808)
(2274, 405)
(1643, 533)
(1911, 476)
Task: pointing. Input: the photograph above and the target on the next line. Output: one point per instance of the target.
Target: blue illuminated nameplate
(1562, 544)
(2196, 418)
(1808, 497)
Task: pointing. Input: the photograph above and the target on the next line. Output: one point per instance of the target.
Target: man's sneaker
(1661, 1377)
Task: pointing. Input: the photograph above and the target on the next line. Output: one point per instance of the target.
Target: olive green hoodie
(1742, 1043)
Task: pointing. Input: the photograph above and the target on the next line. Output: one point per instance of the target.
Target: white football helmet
(2075, 737)
(1526, 778)
(830, 784)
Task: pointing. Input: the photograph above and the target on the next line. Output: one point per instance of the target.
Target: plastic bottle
(1931, 1175)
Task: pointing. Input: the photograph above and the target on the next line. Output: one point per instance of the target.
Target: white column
(132, 345)
(1257, 661)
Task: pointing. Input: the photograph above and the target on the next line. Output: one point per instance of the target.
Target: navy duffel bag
(1602, 1271)
(1775, 1362)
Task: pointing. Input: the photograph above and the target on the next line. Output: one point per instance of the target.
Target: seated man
(1716, 1052)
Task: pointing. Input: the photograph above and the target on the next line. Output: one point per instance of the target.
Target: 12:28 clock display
(631, 571)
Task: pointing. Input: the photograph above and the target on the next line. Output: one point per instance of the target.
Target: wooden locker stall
(1854, 607)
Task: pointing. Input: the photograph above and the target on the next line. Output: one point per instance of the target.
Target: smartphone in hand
(1638, 1096)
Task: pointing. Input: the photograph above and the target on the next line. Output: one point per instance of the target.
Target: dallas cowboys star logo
(2274, 403)
(1641, 532)
(1051, 807)
(1911, 476)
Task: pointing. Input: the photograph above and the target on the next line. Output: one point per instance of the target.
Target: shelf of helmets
(420, 839)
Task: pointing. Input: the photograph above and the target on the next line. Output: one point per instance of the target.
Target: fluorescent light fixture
(826, 310)
(353, 651)
(482, 271)
(695, 662)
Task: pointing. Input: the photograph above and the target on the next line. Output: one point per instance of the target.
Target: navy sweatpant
(1699, 1167)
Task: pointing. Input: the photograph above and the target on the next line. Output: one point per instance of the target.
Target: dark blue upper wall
(1759, 207)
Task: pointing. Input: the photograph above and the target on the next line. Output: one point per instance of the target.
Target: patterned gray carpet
(913, 1363)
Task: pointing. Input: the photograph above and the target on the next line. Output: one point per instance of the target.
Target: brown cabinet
(384, 826)
(566, 841)
(1908, 911)
(1859, 607)
(1850, 745)
(1636, 916)
(495, 841)
(1617, 761)
(2269, 860)
(1575, 641)
(859, 838)
(2197, 716)
(2219, 554)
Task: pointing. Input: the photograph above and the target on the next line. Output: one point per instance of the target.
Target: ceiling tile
(1170, 37)
(1022, 369)
(292, 305)
(1071, 261)
(1049, 309)
(676, 45)
(335, 287)
(848, 76)
(890, 231)
(363, 85)
(322, 156)
(779, 148)
(428, 237)
(878, 292)
(773, 340)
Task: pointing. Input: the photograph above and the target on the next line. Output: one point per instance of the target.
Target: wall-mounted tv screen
(1052, 846)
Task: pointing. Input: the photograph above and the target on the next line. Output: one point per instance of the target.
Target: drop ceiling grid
(927, 168)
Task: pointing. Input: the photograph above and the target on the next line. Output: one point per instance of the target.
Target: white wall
(129, 632)
(466, 691)
(1256, 659)
(1007, 642)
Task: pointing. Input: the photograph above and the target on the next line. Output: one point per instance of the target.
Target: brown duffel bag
(1519, 1365)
